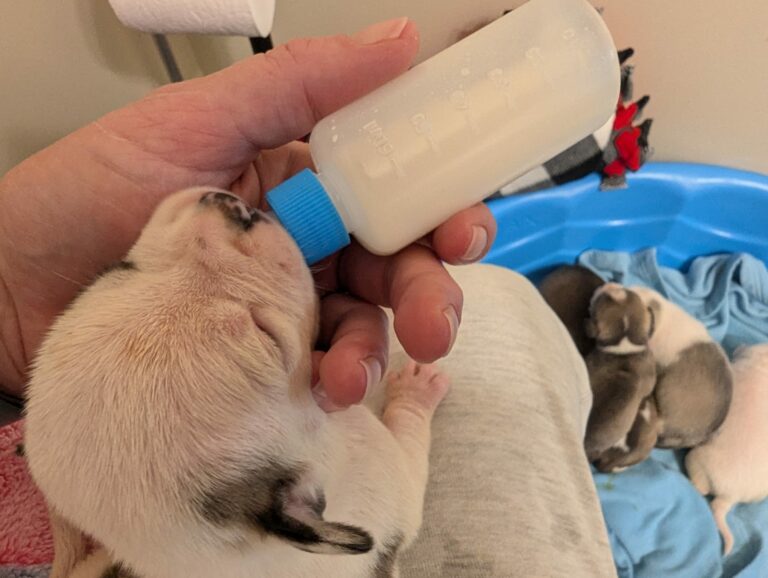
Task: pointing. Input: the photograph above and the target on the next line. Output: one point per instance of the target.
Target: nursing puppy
(622, 374)
(733, 465)
(693, 389)
(568, 290)
(170, 417)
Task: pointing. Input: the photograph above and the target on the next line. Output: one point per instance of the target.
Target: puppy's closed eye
(123, 265)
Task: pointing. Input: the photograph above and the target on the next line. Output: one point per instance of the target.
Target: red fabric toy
(628, 148)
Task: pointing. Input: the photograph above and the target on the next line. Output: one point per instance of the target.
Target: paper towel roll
(232, 17)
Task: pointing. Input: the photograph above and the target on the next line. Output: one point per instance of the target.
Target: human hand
(78, 206)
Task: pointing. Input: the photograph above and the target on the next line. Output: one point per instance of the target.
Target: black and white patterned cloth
(591, 154)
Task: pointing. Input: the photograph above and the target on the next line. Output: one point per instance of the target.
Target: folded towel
(728, 293)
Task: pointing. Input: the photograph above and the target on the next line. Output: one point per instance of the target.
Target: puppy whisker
(314, 269)
(322, 289)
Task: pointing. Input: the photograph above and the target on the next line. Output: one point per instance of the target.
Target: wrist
(12, 355)
(12, 366)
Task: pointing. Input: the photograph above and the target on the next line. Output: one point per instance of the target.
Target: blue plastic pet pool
(658, 525)
(686, 210)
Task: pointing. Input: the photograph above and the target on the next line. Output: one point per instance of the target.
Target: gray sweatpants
(510, 492)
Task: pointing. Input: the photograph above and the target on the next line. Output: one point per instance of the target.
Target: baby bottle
(445, 135)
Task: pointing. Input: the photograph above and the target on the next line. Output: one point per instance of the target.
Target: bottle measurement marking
(536, 58)
(459, 100)
(503, 85)
(381, 144)
(575, 42)
(423, 127)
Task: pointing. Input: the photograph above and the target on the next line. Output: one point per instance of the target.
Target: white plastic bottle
(452, 130)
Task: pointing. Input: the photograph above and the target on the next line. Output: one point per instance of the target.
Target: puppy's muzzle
(233, 208)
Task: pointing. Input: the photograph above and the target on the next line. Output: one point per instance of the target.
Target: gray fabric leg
(510, 491)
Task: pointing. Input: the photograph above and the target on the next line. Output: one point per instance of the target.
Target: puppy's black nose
(232, 207)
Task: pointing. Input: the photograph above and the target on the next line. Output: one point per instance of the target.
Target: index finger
(427, 303)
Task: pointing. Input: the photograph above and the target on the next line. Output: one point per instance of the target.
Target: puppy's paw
(420, 386)
(612, 461)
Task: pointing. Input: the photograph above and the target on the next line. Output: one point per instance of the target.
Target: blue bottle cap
(304, 208)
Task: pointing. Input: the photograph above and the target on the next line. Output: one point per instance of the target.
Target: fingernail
(387, 30)
(373, 373)
(453, 324)
(321, 398)
(476, 245)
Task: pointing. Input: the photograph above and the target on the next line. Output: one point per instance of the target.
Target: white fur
(675, 330)
(159, 381)
(623, 347)
(734, 464)
(621, 444)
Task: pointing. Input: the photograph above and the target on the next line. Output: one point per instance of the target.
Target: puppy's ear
(296, 515)
(284, 501)
(638, 332)
(640, 324)
(651, 322)
(654, 309)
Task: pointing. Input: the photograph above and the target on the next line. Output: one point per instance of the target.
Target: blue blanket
(728, 293)
(659, 526)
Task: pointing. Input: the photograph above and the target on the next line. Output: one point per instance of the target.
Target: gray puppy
(622, 373)
(568, 290)
(695, 383)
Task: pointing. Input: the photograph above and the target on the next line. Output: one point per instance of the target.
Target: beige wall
(64, 63)
(705, 63)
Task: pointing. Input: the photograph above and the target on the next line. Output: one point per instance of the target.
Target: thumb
(279, 96)
(209, 129)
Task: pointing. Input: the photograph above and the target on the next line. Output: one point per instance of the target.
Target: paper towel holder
(169, 59)
(160, 22)
(259, 44)
(227, 17)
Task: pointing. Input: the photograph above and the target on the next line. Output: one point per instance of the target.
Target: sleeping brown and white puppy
(622, 375)
(695, 382)
(170, 416)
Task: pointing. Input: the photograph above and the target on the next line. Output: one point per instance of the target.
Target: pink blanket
(26, 547)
